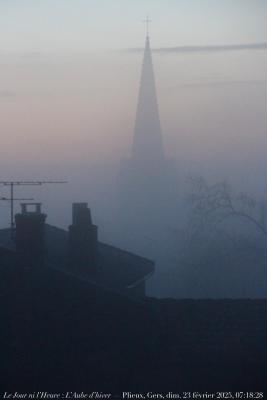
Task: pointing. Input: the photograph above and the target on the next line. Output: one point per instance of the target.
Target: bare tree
(213, 204)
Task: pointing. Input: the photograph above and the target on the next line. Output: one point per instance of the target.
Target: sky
(85, 25)
(70, 75)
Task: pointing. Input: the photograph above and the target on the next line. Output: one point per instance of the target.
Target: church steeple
(147, 143)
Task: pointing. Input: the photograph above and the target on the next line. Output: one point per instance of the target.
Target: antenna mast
(12, 185)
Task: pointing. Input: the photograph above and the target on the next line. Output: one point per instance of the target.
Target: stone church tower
(143, 175)
(145, 182)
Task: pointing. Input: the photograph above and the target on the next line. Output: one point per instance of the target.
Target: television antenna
(12, 185)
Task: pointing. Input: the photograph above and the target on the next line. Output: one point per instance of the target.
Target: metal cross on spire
(147, 21)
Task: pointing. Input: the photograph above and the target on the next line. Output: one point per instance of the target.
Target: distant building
(147, 162)
(76, 252)
(147, 187)
(147, 147)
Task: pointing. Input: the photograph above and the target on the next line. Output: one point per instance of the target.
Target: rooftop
(117, 269)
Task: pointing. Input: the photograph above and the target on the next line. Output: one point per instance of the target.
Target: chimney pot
(30, 234)
(83, 240)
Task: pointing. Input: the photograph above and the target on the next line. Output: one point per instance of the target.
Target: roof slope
(118, 269)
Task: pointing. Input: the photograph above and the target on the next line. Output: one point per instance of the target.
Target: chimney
(30, 234)
(82, 250)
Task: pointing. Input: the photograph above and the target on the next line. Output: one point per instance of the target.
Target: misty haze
(72, 117)
(158, 135)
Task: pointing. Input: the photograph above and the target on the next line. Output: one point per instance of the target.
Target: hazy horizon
(68, 90)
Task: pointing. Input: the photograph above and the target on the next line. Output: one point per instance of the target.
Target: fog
(81, 108)
(70, 115)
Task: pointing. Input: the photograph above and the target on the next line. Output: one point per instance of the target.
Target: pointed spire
(147, 143)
